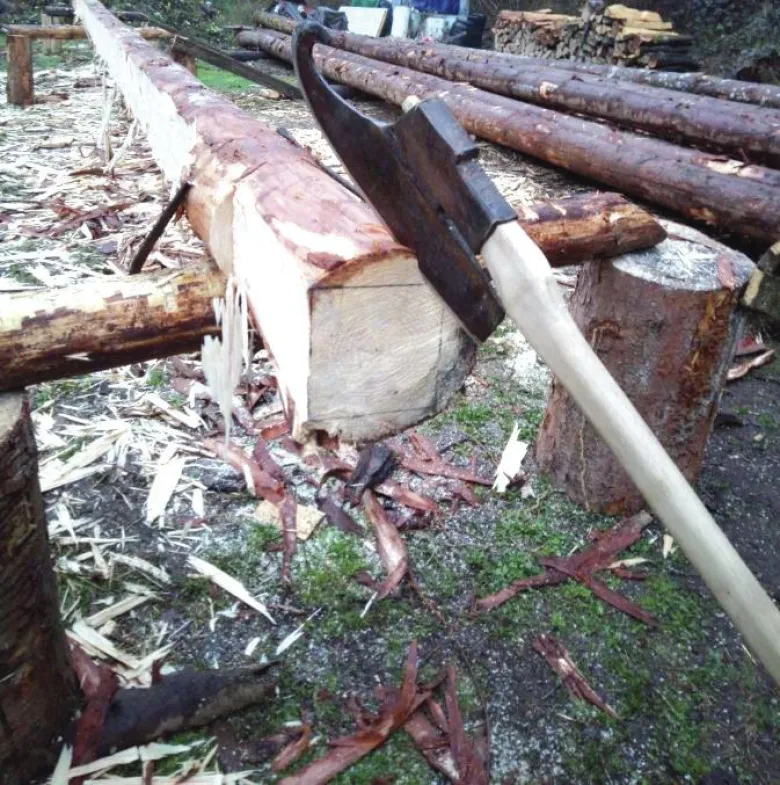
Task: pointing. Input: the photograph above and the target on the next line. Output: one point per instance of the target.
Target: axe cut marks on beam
(363, 345)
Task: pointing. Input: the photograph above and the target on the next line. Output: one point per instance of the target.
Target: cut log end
(664, 322)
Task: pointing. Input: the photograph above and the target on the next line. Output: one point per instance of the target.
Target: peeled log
(76, 32)
(726, 194)
(728, 127)
(363, 345)
(37, 686)
(50, 334)
(664, 322)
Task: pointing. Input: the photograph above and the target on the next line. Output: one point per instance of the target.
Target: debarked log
(76, 32)
(363, 345)
(727, 194)
(48, 334)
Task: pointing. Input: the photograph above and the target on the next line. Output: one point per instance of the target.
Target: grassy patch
(221, 80)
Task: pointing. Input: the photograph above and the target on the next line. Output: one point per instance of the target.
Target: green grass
(223, 81)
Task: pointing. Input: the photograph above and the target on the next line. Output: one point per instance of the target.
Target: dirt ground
(692, 706)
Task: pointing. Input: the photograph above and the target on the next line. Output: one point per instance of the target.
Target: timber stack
(619, 36)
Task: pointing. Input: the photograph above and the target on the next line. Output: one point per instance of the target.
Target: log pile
(620, 36)
(738, 197)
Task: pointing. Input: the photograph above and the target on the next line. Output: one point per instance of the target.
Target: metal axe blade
(419, 174)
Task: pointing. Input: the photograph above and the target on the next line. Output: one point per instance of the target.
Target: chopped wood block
(664, 322)
(363, 344)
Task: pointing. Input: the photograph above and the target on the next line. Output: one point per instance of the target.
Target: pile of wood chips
(619, 35)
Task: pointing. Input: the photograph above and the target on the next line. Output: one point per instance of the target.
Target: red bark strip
(581, 566)
(349, 750)
(559, 660)
(292, 751)
(265, 486)
(390, 545)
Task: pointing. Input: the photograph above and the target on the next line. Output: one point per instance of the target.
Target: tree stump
(664, 322)
(19, 87)
(37, 684)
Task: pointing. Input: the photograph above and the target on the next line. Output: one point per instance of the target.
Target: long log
(76, 32)
(695, 184)
(48, 334)
(363, 345)
(718, 125)
(696, 83)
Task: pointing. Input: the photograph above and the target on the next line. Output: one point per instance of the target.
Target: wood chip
(124, 605)
(307, 519)
(164, 484)
(136, 563)
(511, 461)
(229, 584)
(83, 633)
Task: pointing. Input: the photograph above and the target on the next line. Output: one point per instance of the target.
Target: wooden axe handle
(531, 296)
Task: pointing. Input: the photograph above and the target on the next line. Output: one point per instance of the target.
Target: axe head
(422, 176)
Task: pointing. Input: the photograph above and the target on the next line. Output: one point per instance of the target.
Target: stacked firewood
(619, 35)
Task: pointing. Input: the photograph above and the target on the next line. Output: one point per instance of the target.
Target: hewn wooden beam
(363, 345)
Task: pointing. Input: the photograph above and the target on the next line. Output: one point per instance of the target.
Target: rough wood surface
(592, 226)
(50, 334)
(19, 86)
(733, 196)
(664, 322)
(37, 686)
(767, 95)
(363, 345)
(75, 32)
(702, 121)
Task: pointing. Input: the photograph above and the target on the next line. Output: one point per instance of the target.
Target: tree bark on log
(363, 345)
(594, 226)
(104, 323)
(695, 83)
(725, 127)
(664, 322)
(49, 334)
(19, 87)
(728, 195)
(37, 686)
(77, 32)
